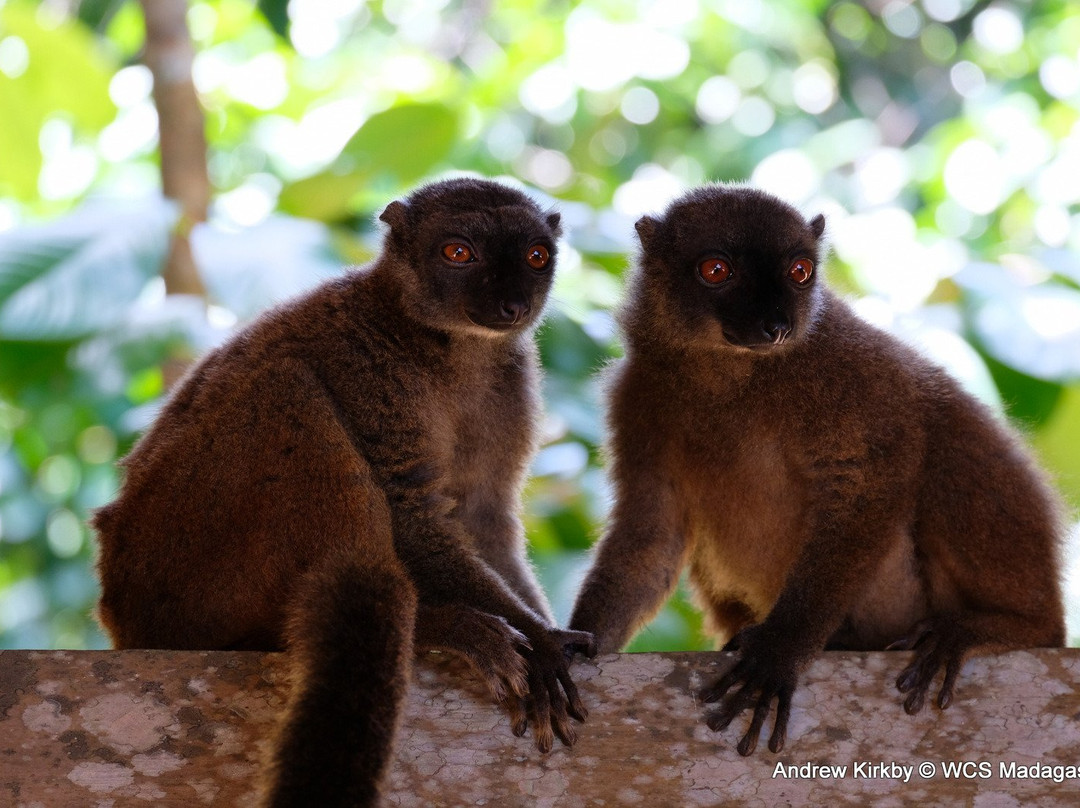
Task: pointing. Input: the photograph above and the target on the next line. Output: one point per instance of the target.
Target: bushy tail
(350, 648)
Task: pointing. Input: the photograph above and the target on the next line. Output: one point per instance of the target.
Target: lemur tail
(350, 639)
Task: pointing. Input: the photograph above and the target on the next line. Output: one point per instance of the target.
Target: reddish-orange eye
(801, 271)
(457, 252)
(538, 256)
(714, 270)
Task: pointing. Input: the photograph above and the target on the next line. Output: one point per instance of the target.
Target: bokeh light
(940, 138)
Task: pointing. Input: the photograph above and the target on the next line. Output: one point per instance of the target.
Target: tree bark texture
(188, 728)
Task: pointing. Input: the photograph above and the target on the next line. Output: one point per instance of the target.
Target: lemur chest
(486, 433)
(744, 511)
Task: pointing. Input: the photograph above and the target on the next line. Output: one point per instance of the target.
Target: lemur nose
(513, 311)
(777, 331)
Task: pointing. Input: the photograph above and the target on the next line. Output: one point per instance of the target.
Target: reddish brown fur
(834, 489)
(345, 474)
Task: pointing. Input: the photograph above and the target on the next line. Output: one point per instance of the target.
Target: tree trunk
(169, 54)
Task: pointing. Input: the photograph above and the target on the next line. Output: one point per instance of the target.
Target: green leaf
(146, 386)
(98, 13)
(19, 140)
(1027, 400)
(326, 196)
(392, 148)
(23, 364)
(66, 72)
(567, 349)
(677, 627)
(79, 274)
(276, 13)
(406, 141)
(1056, 441)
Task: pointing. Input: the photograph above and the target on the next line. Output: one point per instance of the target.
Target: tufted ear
(396, 215)
(647, 228)
(817, 225)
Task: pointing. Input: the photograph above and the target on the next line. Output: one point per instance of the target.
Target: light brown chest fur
(738, 499)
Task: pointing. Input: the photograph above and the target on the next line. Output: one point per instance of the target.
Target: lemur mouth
(763, 343)
(759, 346)
(493, 324)
(507, 315)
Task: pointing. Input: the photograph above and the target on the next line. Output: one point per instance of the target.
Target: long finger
(925, 670)
(519, 722)
(916, 674)
(952, 669)
(504, 677)
(721, 686)
(749, 741)
(783, 712)
(559, 719)
(540, 714)
(518, 680)
(731, 708)
(576, 707)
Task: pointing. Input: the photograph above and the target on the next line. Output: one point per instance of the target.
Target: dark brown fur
(832, 489)
(343, 479)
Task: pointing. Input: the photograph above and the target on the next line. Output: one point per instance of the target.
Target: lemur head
(475, 255)
(734, 265)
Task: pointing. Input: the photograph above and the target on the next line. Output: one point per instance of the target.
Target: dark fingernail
(520, 727)
(579, 711)
(724, 719)
(747, 745)
(905, 681)
(914, 703)
(944, 699)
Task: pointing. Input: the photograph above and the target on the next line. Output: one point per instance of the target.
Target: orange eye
(538, 257)
(457, 253)
(714, 270)
(801, 271)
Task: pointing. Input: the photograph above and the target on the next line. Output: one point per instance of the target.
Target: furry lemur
(342, 480)
(827, 486)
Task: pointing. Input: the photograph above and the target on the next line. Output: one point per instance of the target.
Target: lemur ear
(554, 220)
(817, 225)
(647, 228)
(396, 215)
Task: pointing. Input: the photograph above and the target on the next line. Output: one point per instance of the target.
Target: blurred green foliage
(941, 138)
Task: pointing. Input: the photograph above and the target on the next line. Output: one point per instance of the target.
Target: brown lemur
(342, 480)
(826, 485)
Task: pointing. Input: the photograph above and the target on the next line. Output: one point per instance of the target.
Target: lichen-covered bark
(188, 728)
